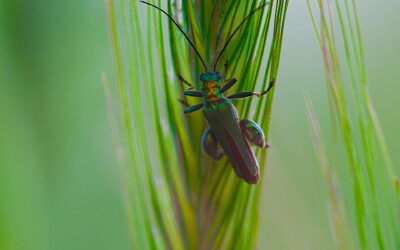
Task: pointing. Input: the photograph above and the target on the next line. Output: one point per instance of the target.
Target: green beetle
(227, 134)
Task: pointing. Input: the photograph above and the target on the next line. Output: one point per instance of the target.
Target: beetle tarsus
(185, 82)
(271, 84)
(183, 102)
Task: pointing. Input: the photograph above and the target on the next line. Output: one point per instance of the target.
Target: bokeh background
(59, 181)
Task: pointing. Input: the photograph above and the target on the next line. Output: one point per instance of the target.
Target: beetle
(227, 134)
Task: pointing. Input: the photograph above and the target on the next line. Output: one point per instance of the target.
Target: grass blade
(370, 199)
(176, 197)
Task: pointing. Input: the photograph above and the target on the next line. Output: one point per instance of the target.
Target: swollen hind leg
(209, 144)
(253, 133)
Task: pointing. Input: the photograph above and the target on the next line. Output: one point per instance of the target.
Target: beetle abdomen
(223, 120)
(241, 164)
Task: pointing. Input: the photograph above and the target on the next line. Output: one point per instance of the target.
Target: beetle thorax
(211, 91)
(211, 86)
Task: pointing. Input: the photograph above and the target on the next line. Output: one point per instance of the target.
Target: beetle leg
(185, 82)
(271, 84)
(243, 95)
(227, 86)
(209, 144)
(247, 94)
(190, 93)
(193, 93)
(193, 108)
(184, 103)
(253, 133)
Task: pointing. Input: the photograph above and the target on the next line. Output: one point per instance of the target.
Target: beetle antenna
(236, 30)
(183, 32)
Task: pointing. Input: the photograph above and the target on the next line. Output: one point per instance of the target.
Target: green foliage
(175, 196)
(365, 196)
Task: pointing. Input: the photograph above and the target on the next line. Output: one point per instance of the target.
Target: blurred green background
(59, 181)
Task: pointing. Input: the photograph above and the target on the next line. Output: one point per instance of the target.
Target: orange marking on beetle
(212, 89)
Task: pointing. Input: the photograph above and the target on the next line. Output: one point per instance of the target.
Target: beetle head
(210, 77)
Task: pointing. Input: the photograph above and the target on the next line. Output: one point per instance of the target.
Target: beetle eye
(202, 78)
